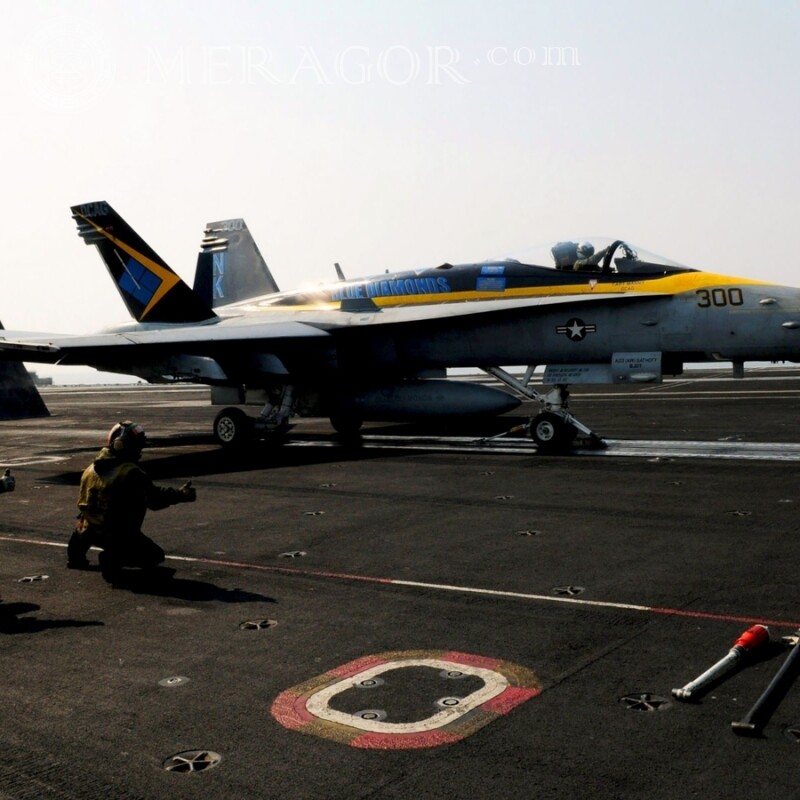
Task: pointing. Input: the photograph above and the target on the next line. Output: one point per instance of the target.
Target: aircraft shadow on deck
(218, 461)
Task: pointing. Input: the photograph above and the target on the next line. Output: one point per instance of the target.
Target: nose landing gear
(554, 430)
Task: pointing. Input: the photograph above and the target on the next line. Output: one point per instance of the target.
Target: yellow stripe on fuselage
(674, 284)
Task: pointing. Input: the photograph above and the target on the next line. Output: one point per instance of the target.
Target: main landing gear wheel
(233, 428)
(346, 424)
(551, 433)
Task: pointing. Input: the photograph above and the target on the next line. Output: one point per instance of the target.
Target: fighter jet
(378, 347)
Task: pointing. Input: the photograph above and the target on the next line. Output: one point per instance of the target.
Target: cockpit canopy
(597, 254)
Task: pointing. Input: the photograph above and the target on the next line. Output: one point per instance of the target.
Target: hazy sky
(390, 135)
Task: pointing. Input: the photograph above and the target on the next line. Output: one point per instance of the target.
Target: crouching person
(115, 494)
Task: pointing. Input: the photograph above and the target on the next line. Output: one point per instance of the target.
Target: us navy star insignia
(576, 329)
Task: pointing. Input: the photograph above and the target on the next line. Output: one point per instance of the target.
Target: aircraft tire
(346, 424)
(550, 433)
(233, 428)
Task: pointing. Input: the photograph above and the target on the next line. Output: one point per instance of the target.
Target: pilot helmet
(126, 438)
(585, 250)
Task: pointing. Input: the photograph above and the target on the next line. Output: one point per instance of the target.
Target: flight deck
(417, 613)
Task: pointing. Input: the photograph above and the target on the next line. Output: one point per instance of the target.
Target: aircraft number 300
(719, 297)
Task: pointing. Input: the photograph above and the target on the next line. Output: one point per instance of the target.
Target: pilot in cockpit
(573, 256)
(588, 260)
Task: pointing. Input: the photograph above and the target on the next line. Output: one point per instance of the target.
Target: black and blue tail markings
(151, 291)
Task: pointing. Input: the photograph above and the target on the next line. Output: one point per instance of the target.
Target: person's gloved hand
(188, 493)
(7, 482)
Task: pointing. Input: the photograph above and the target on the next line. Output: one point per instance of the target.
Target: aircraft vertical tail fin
(150, 289)
(230, 267)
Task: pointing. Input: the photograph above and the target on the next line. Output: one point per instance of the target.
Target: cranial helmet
(585, 250)
(126, 437)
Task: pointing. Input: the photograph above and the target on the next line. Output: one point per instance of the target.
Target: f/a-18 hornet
(379, 347)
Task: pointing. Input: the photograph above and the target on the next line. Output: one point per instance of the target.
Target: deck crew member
(114, 496)
(7, 484)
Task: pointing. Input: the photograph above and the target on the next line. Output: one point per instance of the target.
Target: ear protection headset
(126, 436)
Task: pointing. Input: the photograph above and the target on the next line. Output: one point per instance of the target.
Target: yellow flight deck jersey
(115, 495)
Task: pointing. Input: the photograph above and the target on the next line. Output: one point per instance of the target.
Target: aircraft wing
(55, 348)
(270, 326)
